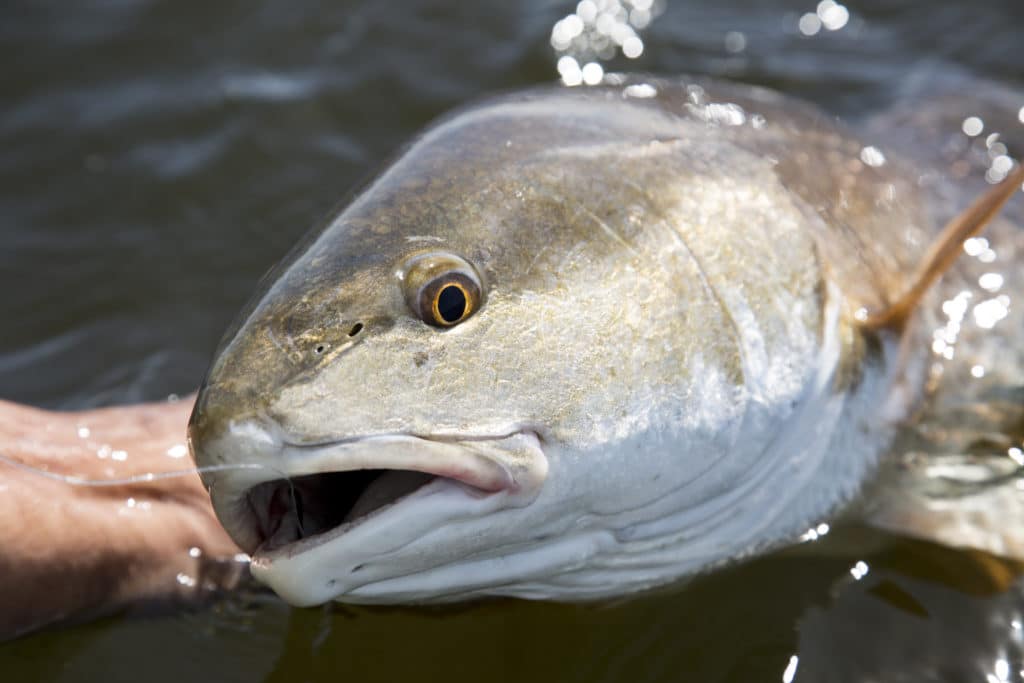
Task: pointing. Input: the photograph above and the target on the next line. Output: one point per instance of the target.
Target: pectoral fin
(943, 253)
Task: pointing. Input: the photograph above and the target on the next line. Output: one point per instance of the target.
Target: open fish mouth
(290, 514)
(367, 477)
(306, 496)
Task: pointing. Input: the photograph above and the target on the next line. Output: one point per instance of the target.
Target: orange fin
(943, 252)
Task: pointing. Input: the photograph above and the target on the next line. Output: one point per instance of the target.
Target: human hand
(70, 551)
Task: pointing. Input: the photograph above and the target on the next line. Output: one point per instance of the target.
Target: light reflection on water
(155, 179)
(829, 15)
(596, 32)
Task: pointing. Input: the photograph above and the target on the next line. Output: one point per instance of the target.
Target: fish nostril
(322, 348)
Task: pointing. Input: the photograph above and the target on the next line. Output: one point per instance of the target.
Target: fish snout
(233, 454)
(234, 446)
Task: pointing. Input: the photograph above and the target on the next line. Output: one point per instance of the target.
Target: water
(158, 158)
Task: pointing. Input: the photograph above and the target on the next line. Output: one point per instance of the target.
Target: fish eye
(441, 289)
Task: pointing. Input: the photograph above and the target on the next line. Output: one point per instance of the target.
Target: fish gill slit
(713, 291)
(609, 230)
(702, 273)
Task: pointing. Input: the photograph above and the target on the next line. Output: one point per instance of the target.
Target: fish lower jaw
(337, 564)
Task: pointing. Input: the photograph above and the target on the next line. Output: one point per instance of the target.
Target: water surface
(159, 156)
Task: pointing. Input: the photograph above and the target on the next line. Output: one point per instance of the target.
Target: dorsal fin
(943, 252)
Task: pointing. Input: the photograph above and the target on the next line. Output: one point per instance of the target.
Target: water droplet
(996, 149)
(573, 25)
(632, 47)
(832, 15)
(977, 371)
(973, 126)
(989, 312)
(991, 282)
(640, 18)
(1002, 670)
(1002, 164)
(975, 245)
(565, 30)
(640, 90)
(872, 156)
(592, 73)
(179, 450)
(587, 11)
(790, 673)
(809, 24)
(569, 69)
(727, 114)
(859, 570)
(735, 42)
(994, 177)
(605, 23)
(83, 432)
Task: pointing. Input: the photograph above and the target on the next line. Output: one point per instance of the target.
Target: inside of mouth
(289, 510)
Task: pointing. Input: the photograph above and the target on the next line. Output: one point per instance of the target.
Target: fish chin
(323, 520)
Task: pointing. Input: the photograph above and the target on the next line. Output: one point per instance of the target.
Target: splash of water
(596, 32)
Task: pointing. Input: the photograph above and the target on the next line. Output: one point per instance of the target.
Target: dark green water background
(157, 156)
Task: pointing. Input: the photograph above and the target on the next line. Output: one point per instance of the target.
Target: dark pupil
(451, 304)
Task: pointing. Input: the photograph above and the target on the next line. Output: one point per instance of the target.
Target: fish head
(501, 369)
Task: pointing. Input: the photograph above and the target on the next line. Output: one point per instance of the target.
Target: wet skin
(663, 371)
(70, 552)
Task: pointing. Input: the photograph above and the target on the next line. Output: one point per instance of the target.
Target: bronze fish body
(572, 343)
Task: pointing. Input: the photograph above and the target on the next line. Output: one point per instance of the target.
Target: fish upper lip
(435, 437)
(499, 477)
